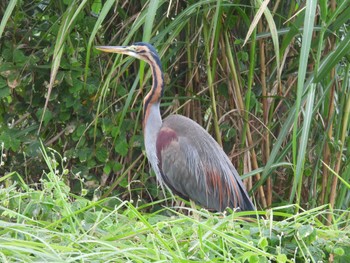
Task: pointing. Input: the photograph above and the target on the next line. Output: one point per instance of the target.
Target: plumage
(183, 155)
(208, 179)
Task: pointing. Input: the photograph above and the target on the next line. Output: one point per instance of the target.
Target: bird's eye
(133, 48)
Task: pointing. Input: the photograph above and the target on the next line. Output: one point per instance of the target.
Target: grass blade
(104, 12)
(342, 49)
(7, 15)
(67, 21)
(310, 13)
(308, 114)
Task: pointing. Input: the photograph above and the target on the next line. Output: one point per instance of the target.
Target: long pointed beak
(114, 49)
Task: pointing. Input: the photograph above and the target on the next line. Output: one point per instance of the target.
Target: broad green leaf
(121, 147)
(102, 154)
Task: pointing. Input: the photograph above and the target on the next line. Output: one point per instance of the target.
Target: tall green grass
(268, 80)
(46, 222)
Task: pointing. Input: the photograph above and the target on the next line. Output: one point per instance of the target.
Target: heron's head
(140, 50)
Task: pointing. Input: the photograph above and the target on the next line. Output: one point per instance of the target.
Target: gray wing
(194, 166)
(179, 162)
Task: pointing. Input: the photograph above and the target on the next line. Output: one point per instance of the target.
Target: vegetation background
(268, 79)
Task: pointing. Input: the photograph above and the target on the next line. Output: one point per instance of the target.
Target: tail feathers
(246, 204)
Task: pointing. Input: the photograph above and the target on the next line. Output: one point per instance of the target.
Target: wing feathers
(197, 168)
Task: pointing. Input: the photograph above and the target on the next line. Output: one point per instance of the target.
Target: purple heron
(183, 155)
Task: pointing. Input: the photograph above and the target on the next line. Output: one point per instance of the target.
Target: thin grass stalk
(67, 21)
(214, 32)
(274, 155)
(252, 62)
(265, 146)
(327, 157)
(150, 13)
(105, 88)
(314, 194)
(274, 36)
(121, 177)
(153, 230)
(341, 201)
(346, 184)
(327, 151)
(237, 91)
(189, 107)
(131, 153)
(344, 126)
(197, 103)
(345, 103)
(211, 84)
(52, 176)
(333, 190)
(308, 114)
(102, 15)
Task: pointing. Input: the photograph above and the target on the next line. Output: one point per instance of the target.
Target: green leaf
(4, 91)
(3, 83)
(83, 154)
(47, 116)
(107, 169)
(304, 231)
(281, 258)
(96, 6)
(117, 167)
(80, 130)
(151, 14)
(19, 57)
(78, 85)
(254, 259)
(64, 116)
(102, 154)
(122, 147)
(324, 10)
(263, 243)
(10, 142)
(339, 251)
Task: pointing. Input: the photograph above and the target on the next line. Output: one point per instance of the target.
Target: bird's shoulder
(183, 138)
(177, 119)
(185, 127)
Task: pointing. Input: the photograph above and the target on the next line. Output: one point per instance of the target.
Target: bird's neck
(152, 123)
(152, 100)
(152, 120)
(151, 127)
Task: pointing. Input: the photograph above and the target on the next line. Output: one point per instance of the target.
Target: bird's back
(195, 167)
